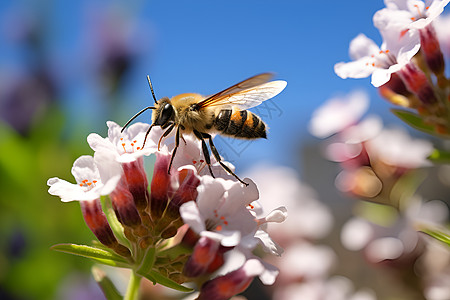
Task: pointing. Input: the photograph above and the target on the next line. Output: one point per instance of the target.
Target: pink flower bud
(432, 50)
(225, 287)
(96, 220)
(187, 190)
(203, 255)
(137, 182)
(160, 185)
(123, 204)
(416, 82)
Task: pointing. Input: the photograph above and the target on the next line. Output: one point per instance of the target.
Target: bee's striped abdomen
(240, 123)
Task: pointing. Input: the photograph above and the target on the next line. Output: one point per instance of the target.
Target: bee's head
(164, 113)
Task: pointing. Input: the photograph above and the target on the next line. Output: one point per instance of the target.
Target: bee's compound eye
(166, 114)
(167, 108)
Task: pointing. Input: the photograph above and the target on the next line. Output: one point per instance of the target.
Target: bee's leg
(146, 134)
(219, 160)
(183, 140)
(177, 143)
(205, 151)
(166, 133)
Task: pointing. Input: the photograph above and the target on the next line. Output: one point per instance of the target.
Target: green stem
(133, 287)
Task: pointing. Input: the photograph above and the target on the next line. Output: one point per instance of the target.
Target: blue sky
(206, 46)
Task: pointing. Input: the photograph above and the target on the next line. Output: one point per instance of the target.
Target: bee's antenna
(151, 88)
(135, 116)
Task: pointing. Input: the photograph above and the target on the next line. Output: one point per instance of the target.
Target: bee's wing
(246, 94)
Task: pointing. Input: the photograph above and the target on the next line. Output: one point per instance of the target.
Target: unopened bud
(187, 191)
(137, 182)
(97, 222)
(233, 283)
(123, 204)
(432, 50)
(160, 186)
(417, 82)
(204, 253)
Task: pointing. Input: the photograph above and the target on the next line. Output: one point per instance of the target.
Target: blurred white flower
(338, 113)
(336, 288)
(308, 217)
(306, 261)
(398, 242)
(442, 27)
(397, 148)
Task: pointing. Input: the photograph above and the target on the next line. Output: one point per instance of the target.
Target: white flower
(235, 258)
(190, 153)
(89, 185)
(380, 62)
(442, 27)
(306, 261)
(338, 113)
(395, 147)
(335, 288)
(127, 145)
(348, 144)
(220, 211)
(414, 13)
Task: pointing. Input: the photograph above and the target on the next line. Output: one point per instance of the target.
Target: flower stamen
(88, 185)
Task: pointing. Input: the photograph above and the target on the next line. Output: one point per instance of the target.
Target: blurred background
(66, 67)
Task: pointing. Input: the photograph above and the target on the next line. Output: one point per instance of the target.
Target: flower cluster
(306, 265)
(176, 228)
(408, 68)
(374, 159)
(383, 166)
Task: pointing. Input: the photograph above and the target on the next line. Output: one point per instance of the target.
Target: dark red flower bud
(160, 186)
(123, 204)
(137, 182)
(204, 253)
(417, 82)
(432, 50)
(230, 284)
(96, 220)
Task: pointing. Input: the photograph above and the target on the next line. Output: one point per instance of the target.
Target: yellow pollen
(219, 228)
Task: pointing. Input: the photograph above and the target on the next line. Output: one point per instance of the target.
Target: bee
(223, 113)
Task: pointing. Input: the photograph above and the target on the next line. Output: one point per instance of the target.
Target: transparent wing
(246, 94)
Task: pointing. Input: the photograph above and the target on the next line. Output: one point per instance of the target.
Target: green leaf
(437, 234)
(440, 156)
(107, 286)
(416, 121)
(156, 277)
(99, 255)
